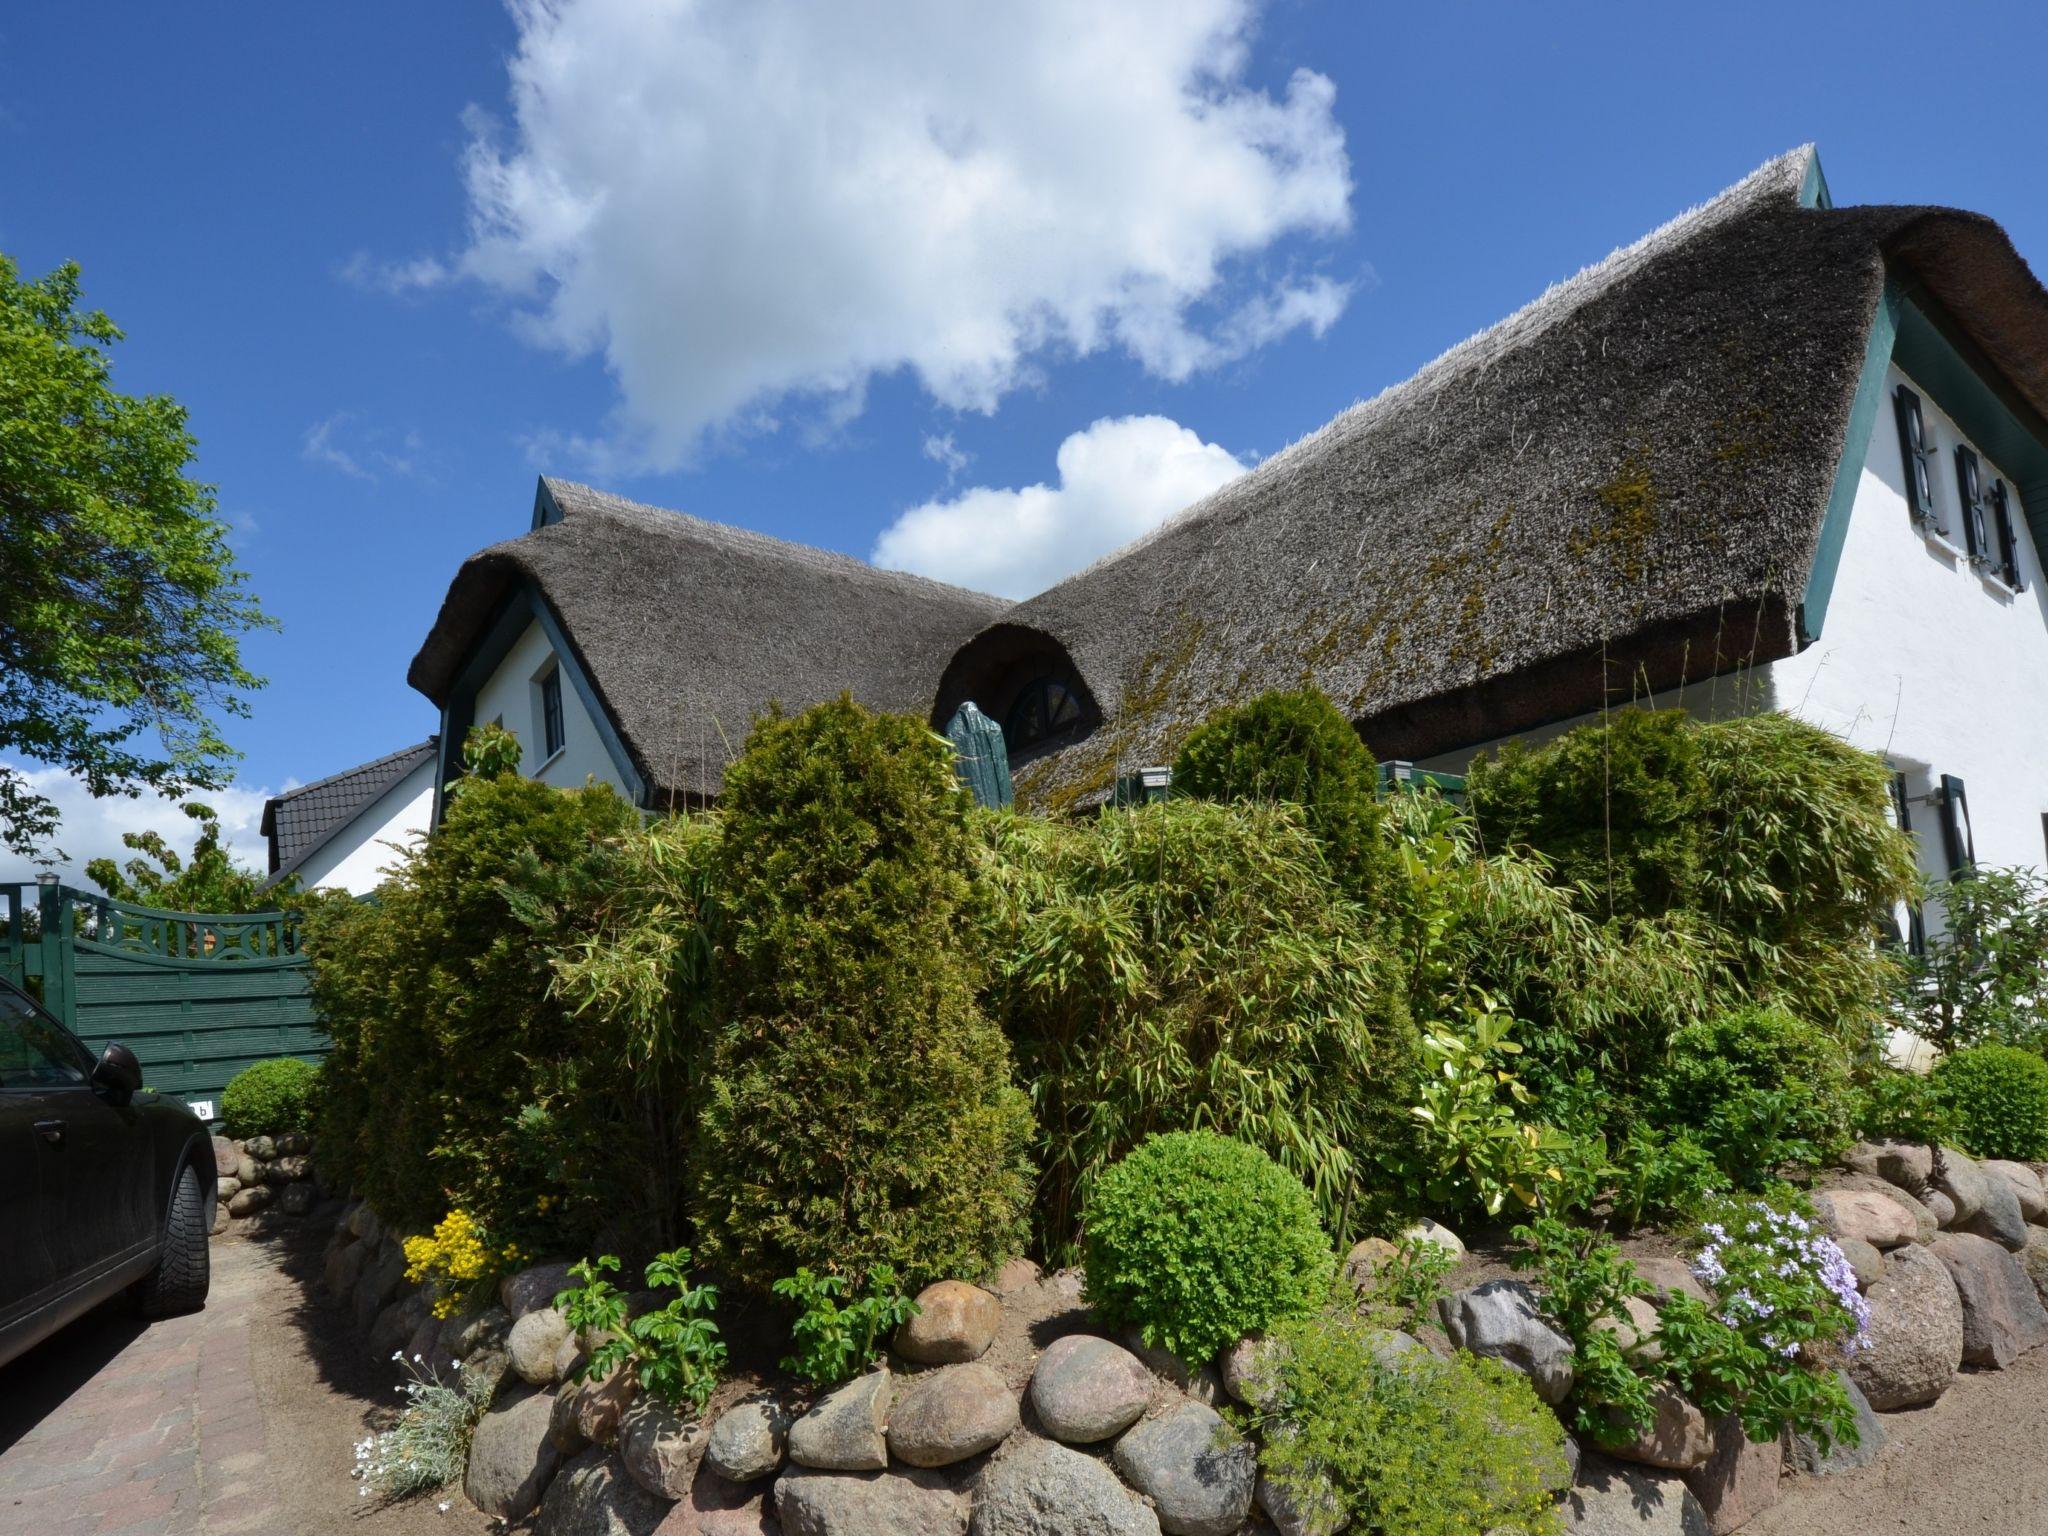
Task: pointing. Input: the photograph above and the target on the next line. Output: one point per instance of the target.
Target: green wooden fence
(197, 996)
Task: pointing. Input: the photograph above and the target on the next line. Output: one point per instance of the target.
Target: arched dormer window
(1044, 710)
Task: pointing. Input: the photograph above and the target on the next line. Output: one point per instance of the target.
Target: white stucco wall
(1922, 658)
(512, 694)
(354, 858)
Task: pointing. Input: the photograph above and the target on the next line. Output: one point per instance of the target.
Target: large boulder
(297, 1199)
(1500, 1319)
(660, 1448)
(1363, 1262)
(511, 1458)
(1881, 1220)
(1310, 1511)
(1427, 1231)
(397, 1323)
(2002, 1315)
(951, 1414)
(1677, 1437)
(1963, 1182)
(1610, 1499)
(532, 1288)
(381, 1276)
(1198, 1474)
(1908, 1164)
(2034, 1260)
(1739, 1481)
(468, 1332)
(363, 1224)
(903, 1503)
(717, 1506)
(955, 1322)
(1925, 1219)
(344, 1269)
(1998, 1218)
(535, 1338)
(2026, 1186)
(844, 1431)
(748, 1440)
(1250, 1369)
(1035, 1487)
(1086, 1389)
(592, 1497)
(1637, 1333)
(1915, 1333)
(248, 1201)
(1803, 1452)
(601, 1404)
(1668, 1277)
(1864, 1260)
(226, 1158)
(262, 1148)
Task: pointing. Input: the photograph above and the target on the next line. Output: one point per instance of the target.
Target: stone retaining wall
(263, 1173)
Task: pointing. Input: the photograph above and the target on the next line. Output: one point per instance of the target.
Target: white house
(1776, 454)
(341, 832)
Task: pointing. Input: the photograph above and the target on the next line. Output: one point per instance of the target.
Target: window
(1970, 494)
(551, 733)
(1918, 458)
(1916, 916)
(2007, 536)
(35, 1053)
(1043, 710)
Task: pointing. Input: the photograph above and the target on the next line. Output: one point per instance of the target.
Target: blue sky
(770, 321)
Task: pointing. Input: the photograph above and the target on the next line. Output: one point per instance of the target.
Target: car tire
(179, 1281)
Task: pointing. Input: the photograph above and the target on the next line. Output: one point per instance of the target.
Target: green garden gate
(197, 996)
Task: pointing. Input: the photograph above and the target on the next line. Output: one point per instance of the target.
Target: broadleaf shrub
(1756, 1088)
(858, 1107)
(1998, 1095)
(270, 1098)
(1980, 977)
(1297, 749)
(1188, 965)
(1357, 1434)
(1196, 1240)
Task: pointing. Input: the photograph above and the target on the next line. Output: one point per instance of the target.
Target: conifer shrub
(1363, 1435)
(1998, 1097)
(457, 1078)
(1195, 1240)
(1189, 964)
(269, 1098)
(858, 1105)
(1297, 749)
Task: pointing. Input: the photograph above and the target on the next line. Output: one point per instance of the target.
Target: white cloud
(948, 454)
(1117, 479)
(362, 270)
(749, 205)
(91, 829)
(361, 454)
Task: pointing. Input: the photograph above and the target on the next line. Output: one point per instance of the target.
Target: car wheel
(179, 1281)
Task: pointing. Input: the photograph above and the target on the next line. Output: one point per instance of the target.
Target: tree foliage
(121, 607)
(1984, 976)
(206, 880)
(858, 1107)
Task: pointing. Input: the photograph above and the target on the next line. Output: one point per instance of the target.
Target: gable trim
(1834, 525)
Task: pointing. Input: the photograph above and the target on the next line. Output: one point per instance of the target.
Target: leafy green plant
(1757, 1088)
(858, 1107)
(1895, 1105)
(1381, 1441)
(269, 1098)
(1407, 1284)
(835, 1343)
(1476, 1149)
(1661, 1175)
(1998, 1097)
(1197, 1240)
(1297, 749)
(209, 879)
(1189, 965)
(1585, 1286)
(428, 1448)
(1979, 979)
(674, 1350)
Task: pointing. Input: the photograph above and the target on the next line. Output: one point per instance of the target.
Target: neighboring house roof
(686, 630)
(300, 821)
(1622, 485)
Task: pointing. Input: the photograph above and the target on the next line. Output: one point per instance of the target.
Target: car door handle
(51, 1131)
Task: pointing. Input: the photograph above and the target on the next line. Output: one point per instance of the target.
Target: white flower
(444, 1506)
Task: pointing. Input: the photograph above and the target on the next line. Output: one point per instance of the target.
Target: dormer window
(1043, 709)
(1918, 458)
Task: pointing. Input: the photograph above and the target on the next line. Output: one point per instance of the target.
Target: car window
(34, 1053)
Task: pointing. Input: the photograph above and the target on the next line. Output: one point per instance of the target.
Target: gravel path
(1969, 1463)
(239, 1420)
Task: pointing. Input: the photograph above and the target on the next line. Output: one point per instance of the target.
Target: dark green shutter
(1956, 836)
(2008, 538)
(1970, 494)
(1913, 455)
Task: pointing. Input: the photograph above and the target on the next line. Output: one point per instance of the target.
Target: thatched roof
(1623, 484)
(687, 629)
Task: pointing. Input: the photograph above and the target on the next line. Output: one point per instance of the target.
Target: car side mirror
(118, 1072)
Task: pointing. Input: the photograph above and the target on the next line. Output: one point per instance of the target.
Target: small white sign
(203, 1108)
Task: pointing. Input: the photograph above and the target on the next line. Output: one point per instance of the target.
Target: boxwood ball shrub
(858, 1104)
(1297, 749)
(1196, 1240)
(1998, 1096)
(1757, 1088)
(270, 1098)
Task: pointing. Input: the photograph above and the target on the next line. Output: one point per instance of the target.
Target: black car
(104, 1186)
